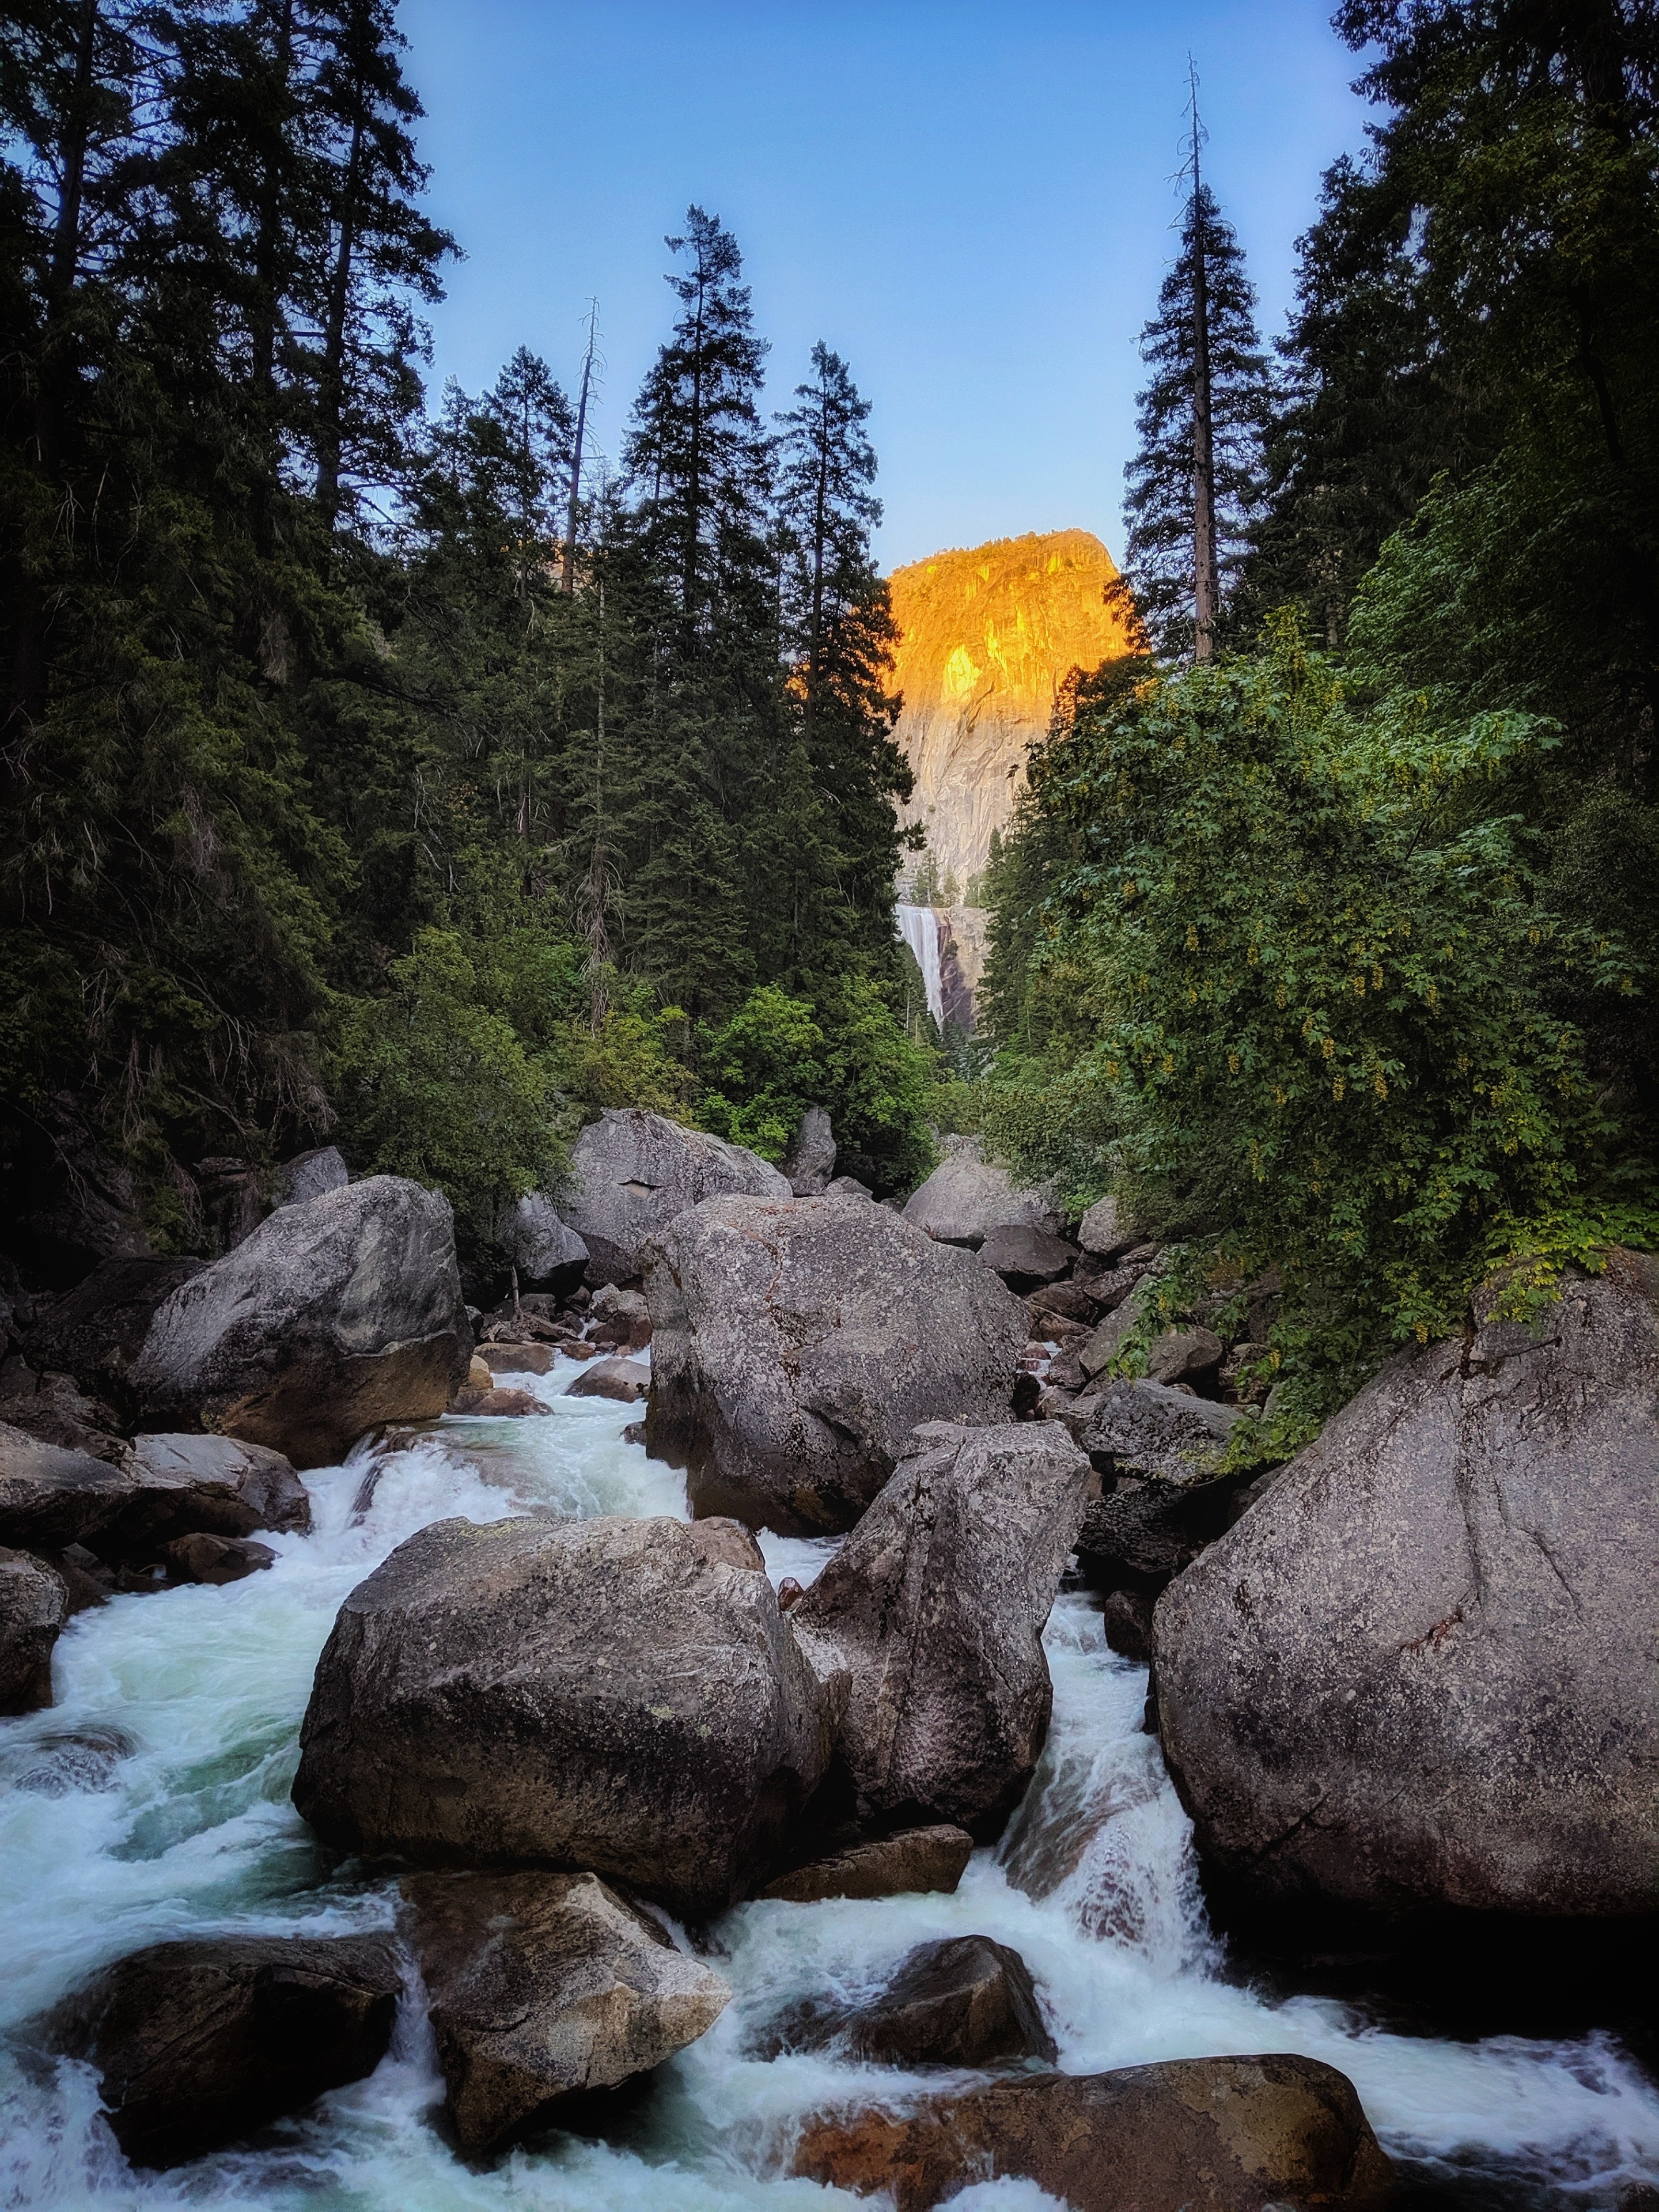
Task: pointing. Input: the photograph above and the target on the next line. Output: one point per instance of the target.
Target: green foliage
(1311, 945)
(629, 1060)
(849, 1054)
(433, 1081)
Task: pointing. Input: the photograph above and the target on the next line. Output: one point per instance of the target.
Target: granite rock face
(1418, 1671)
(545, 1987)
(332, 1316)
(34, 1607)
(796, 1345)
(620, 1696)
(809, 1163)
(934, 1610)
(546, 1251)
(632, 1173)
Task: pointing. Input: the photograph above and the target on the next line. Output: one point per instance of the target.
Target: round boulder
(796, 1345)
(622, 1697)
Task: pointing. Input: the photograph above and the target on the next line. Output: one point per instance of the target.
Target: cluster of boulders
(1408, 1670)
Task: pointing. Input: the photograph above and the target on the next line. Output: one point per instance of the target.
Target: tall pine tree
(1195, 481)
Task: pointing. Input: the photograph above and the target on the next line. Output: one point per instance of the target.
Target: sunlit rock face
(988, 638)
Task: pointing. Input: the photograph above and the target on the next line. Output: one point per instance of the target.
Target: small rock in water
(790, 1592)
(627, 1381)
(545, 1986)
(1127, 1618)
(964, 2002)
(198, 2043)
(83, 1758)
(496, 1403)
(515, 1358)
(205, 1558)
(919, 1860)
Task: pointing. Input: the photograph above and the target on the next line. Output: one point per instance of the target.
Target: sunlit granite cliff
(988, 637)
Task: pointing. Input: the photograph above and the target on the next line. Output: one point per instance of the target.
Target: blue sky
(971, 202)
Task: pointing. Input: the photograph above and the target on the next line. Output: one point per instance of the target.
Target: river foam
(151, 1801)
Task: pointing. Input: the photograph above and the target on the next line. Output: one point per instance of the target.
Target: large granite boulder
(1418, 1672)
(542, 1987)
(618, 1696)
(934, 1609)
(1194, 2135)
(34, 1607)
(632, 1173)
(965, 1198)
(95, 1332)
(332, 1316)
(1107, 1228)
(545, 1250)
(199, 2044)
(1149, 1429)
(1024, 1257)
(797, 1345)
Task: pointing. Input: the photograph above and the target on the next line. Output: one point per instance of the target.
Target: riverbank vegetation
(1335, 946)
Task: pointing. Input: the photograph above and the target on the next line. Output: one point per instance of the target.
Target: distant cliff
(988, 637)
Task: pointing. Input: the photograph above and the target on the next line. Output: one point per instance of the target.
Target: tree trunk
(330, 399)
(567, 565)
(1205, 581)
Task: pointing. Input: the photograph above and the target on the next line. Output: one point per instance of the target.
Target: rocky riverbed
(151, 1802)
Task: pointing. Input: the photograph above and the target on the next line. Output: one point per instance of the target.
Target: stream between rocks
(151, 1801)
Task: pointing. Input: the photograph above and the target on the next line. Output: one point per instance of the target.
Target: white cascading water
(152, 1802)
(919, 927)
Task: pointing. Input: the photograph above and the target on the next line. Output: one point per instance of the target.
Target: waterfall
(919, 928)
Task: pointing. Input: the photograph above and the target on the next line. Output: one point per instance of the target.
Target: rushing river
(152, 1802)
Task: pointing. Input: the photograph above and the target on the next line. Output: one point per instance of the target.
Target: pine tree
(835, 850)
(1195, 481)
(699, 459)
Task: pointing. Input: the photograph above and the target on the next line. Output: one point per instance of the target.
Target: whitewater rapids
(152, 1802)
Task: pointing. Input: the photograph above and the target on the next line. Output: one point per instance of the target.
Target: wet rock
(309, 1176)
(95, 1332)
(218, 1485)
(1126, 1616)
(963, 2001)
(218, 1559)
(1107, 1231)
(547, 1252)
(627, 1381)
(544, 1987)
(51, 1497)
(34, 1607)
(1183, 1355)
(1197, 2134)
(613, 1695)
(916, 1859)
(1025, 1257)
(809, 1163)
(797, 1345)
(198, 2043)
(63, 1764)
(965, 1198)
(333, 1317)
(516, 1358)
(632, 1173)
(1418, 1671)
(497, 1403)
(934, 1609)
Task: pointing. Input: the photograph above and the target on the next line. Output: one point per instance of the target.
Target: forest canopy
(379, 769)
